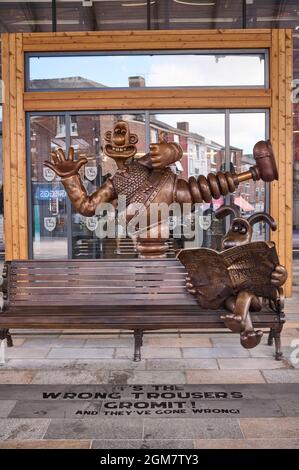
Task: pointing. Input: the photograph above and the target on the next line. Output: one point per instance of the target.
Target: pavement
(196, 390)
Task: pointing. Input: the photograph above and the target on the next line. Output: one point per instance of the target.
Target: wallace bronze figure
(149, 180)
(239, 277)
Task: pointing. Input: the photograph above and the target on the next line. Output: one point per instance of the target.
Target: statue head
(240, 231)
(121, 144)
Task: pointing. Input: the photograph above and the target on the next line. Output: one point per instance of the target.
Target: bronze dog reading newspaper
(236, 277)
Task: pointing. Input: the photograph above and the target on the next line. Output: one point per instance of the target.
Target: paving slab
(38, 364)
(50, 342)
(18, 341)
(147, 377)
(70, 377)
(16, 376)
(246, 443)
(5, 407)
(178, 342)
(180, 364)
(98, 428)
(46, 444)
(294, 332)
(289, 407)
(268, 428)
(24, 353)
(226, 341)
(263, 350)
(149, 352)
(281, 376)
(80, 353)
(224, 376)
(19, 429)
(122, 342)
(252, 363)
(142, 444)
(228, 352)
(108, 364)
(189, 428)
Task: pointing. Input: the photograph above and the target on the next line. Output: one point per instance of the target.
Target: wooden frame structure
(277, 99)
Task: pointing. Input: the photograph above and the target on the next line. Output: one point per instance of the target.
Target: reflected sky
(157, 70)
(245, 128)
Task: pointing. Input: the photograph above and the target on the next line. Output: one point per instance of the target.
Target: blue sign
(46, 193)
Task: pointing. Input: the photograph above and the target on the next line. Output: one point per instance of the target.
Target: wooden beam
(289, 159)
(14, 155)
(281, 137)
(6, 147)
(147, 98)
(21, 150)
(13, 146)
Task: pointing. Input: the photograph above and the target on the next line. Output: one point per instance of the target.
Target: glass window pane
(1, 188)
(202, 137)
(140, 70)
(194, 14)
(245, 130)
(101, 15)
(272, 14)
(31, 16)
(49, 217)
(87, 138)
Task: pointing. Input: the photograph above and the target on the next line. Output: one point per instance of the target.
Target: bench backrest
(97, 282)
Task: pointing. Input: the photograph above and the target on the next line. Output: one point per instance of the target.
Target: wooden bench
(130, 294)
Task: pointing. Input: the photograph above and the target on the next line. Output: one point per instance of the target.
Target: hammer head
(265, 161)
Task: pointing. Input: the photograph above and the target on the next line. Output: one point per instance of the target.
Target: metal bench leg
(2, 352)
(138, 334)
(4, 335)
(271, 337)
(277, 340)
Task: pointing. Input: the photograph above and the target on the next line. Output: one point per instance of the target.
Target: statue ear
(107, 136)
(133, 139)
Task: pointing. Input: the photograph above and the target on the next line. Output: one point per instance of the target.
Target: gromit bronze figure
(149, 179)
(254, 272)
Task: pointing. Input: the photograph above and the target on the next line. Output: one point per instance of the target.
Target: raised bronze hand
(65, 167)
(164, 153)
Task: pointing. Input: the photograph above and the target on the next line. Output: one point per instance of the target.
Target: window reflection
(202, 138)
(193, 14)
(49, 203)
(31, 16)
(245, 130)
(89, 142)
(101, 15)
(140, 70)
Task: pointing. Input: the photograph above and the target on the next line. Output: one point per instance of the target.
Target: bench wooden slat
(139, 320)
(95, 264)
